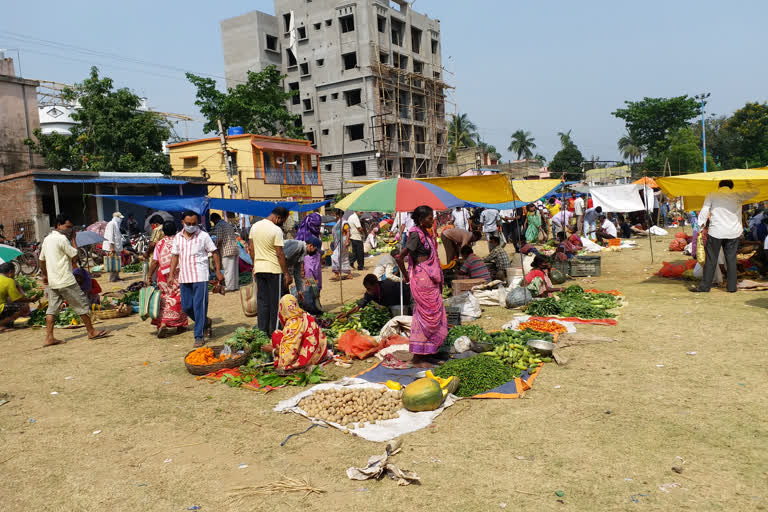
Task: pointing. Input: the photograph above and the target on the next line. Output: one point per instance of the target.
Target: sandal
(99, 335)
(198, 343)
(162, 332)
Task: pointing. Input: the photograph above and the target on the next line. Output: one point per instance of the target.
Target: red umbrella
(98, 227)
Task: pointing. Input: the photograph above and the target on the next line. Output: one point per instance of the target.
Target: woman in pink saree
(429, 326)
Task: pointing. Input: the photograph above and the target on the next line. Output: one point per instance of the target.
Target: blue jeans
(194, 302)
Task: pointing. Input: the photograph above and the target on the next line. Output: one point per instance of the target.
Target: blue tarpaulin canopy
(200, 204)
(127, 181)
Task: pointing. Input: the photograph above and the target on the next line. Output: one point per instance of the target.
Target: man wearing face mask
(113, 241)
(266, 249)
(190, 254)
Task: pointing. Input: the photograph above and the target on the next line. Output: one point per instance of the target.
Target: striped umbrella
(398, 195)
(8, 253)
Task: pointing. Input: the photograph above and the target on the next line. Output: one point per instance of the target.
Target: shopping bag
(701, 254)
(248, 299)
(145, 295)
(112, 263)
(153, 306)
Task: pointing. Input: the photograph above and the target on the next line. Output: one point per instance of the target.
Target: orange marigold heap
(201, 356)
(542, 326)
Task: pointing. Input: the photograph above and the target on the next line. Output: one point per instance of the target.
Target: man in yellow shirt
(13, 303)
(266, 248)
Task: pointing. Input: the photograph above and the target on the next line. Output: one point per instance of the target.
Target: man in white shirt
(56, 256)
(722, 210)
(401, 226)
(606, 231)
(113, 241)
(578, 210)
(189, 253)
(560, 221)
(460, 217)
(356, 236)
(490, 221)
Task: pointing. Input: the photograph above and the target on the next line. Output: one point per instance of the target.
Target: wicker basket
(106, 314)
(205, 369)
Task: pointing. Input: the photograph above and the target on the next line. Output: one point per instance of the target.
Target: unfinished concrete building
(370, 80)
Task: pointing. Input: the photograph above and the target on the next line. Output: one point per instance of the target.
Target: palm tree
(541, 158)
(629, 148)
(565, 138)
(461, 131)
(522, 144)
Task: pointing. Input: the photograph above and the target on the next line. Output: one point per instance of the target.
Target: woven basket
(106, 314)
(205, 369)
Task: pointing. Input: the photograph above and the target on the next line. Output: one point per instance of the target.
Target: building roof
(127, 181)
(285, 147)
(256, 138)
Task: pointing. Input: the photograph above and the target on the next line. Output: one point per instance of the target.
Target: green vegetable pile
(374, 317)
(254, 338)
(371, 318)
(476, 374)
(132, 267)
(575, 302)
(28, 285)
(517, 356)
(63, 318)
(520, 337)
(37, 317)
(254, 372)
(129, 298)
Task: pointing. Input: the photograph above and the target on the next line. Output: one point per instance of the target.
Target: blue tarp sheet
(201, 204)
(127, 181)
(198, 204)
(261, 208)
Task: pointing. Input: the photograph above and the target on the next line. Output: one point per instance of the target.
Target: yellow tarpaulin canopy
(495, 188)
(695, 187)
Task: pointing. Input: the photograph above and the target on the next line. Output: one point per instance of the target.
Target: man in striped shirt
(473, 267)
(190, 255)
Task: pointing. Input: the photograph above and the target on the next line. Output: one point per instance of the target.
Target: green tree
(652, 119)
(746, 136)
(111, 134)
(488, 148)
(683, 153)
(568, 160)
(258, 105)
(522, 144)
(541, 158)
(630, 148)
(461, 131)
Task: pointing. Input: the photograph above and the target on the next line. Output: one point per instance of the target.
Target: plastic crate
(563, 267)
(583, 266)
(453, 314)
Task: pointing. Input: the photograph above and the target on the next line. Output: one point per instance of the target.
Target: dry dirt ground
(605, 429)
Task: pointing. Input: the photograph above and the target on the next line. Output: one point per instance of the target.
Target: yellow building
(268, 168)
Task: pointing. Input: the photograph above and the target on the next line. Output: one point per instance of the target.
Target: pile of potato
(353, 406)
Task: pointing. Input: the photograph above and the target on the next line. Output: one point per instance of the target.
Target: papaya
(422, 395)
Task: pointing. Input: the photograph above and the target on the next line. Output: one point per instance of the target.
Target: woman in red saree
(429, 326)
(300, 342)
(171, 314)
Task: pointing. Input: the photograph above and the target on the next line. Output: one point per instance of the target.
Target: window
(323, 99)
(190, 162)
(291, 59)
(335, 96)
(358, 168)
(356, 131)
(353, 97)
(439, 169)
(397, 32)
(347, 23)
(297, 122)
(320, 62)
(294, 86)
(328, 167)
(271, 43)
(382, 23)
(400, 61)
(328, 23)
(435, 45)
(415, 40)
(418, 67)
(308, 105)
(325, 131)
(436, 75)
(350, 60)
(302, 33)
(383, 57)
(304, 66)
(310, 136)
(287, 22)
(317, 26)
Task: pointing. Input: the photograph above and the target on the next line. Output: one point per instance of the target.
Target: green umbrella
(8, 253)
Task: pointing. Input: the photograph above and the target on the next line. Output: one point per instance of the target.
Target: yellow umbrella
(695, 187)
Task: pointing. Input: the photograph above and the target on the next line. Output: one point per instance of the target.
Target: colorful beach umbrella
(8, 253)
(398, 195)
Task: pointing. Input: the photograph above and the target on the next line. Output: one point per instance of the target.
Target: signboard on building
(296, 191)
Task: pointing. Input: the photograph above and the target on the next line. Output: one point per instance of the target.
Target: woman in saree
(429, 326)
(537, 281)
(171, 314)
(340, 257)
(533, 225)
(300, 343)
(310, 228)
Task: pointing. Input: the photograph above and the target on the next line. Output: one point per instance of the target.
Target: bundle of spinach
(373, 317)
(252, 372)
(132, 267)
(129, 298)
(254, 338)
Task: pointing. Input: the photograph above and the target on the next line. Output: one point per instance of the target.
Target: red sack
(674, 270)
(678, 244)
(681, 235)
(357, 345)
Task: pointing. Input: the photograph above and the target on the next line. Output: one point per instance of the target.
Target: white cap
(118, 214)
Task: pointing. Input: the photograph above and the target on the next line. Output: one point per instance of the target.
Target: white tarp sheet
(618, 198)
(381, 430)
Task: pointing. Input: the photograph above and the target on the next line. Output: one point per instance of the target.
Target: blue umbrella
(83, 238)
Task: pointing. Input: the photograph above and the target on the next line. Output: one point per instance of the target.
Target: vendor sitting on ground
(386, 267)
(624, 226)
(90, 287)
(565, 248)
(537, 281)
(473, 267)
(300, 343)
(498, 260)
(13, 303)
(606, 230)
(384, 293)
(455, 239)
(574, 239)
(526, 248)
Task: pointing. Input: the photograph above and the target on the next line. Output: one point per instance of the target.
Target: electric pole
(230, 165)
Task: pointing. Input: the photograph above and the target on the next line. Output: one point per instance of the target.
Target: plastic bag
(225, 353)
(701, 242)
(357, 345)
(518, 297)
(462, 344)
(248, 299)
(656, 230)
(470, 306)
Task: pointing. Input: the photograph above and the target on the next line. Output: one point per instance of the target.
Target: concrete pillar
(99, 203)
(56, 199)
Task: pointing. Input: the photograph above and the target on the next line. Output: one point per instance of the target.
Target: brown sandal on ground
(99, 335)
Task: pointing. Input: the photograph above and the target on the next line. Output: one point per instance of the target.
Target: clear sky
(544, 66)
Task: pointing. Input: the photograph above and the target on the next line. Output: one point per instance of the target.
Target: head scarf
(85, 278)
(310, 226)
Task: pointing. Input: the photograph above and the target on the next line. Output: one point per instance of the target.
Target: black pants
(358, 254)
(712, 249)
(511, 231)
(269, 290)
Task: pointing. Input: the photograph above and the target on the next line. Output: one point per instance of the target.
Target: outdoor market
(466, 292)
